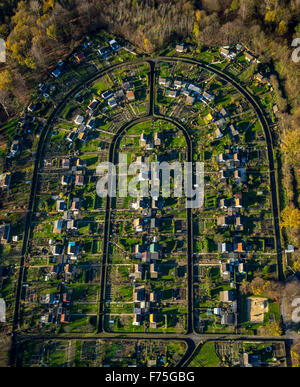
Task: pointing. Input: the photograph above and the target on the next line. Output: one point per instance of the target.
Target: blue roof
(56, 72)
(107, 94)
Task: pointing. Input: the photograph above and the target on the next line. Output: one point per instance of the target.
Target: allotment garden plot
(60, 293)
(147, 275)
(100, 353)
(234, 231)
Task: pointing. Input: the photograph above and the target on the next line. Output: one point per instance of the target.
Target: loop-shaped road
(191, 337)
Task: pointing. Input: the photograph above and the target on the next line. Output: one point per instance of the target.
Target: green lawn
(205, 356)
(98, 87)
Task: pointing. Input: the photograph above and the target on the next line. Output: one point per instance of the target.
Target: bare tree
(5, 100)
